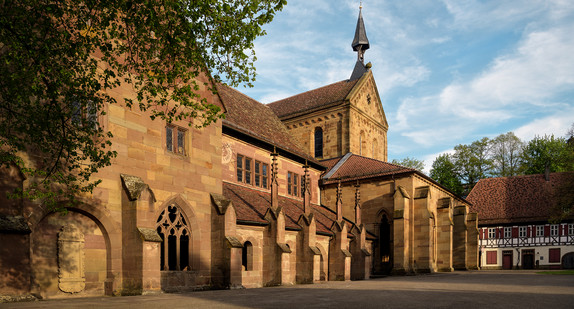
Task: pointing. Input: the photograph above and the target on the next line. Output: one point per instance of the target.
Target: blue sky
(449, 72)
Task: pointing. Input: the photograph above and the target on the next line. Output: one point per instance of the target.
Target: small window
(175, 139)
(491, 257)
(571, 229)
(244, 169)
(554, 255)
(292, 184)
(507, 232)
(491, 233)
(85, 114)
(539, 230)
(522, 231)
(261, 174)
(554, 230)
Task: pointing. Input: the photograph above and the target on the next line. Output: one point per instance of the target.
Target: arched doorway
(384, 263)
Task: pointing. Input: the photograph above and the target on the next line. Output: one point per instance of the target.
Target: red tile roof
(257, 120)
(355, 167)
(517, 199)
(313, 99)
(251, 205)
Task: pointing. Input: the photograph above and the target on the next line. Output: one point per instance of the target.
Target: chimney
(339, 203)
(274, 184)
(357, 204)
(307, 191)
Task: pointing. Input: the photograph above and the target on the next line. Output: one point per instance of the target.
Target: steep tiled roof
(517, 199)
(251, 205)
(257, 120)
(313, 99)
(358, 167)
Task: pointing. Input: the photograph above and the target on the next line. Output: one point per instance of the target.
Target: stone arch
(324, 264)
(101, 235)
(383, 257)
(192, 223)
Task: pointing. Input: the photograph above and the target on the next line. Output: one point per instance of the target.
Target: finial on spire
(360, 5)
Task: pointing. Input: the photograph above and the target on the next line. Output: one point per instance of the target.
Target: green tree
(410, 162)
(444, 172)
(549, 152)
(506, 150)
(60, 60)
(472, 162)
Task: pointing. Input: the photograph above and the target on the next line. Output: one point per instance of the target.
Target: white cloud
(557, 124)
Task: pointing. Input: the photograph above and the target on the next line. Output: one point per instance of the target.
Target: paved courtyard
(472, 289)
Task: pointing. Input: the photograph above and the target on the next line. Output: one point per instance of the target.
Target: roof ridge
(310, 90)
(338, 165)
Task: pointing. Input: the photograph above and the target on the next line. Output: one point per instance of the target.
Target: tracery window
(176, 239)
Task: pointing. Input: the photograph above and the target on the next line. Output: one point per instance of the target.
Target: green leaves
(54, 55)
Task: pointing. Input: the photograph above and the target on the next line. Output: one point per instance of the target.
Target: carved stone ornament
(71, 272)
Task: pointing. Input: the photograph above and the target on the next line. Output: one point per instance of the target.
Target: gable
(366, 99)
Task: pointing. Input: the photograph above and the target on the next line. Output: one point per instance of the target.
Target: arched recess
(98, 235)
(247, 256)
(318, 142)
(383, 262)
(324, 265)
(194, 233)
(362, 144)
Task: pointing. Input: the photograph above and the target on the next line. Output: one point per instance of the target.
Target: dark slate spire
(360, 42)
(360, 45)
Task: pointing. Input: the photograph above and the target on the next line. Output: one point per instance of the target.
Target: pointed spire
(360, 42)
(360, 45)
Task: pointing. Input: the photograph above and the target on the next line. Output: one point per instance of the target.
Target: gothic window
(176, 239)
(244, 169)
(292, 184)
(318, 143)
(247, 256)
(261, 174)
(175, 139)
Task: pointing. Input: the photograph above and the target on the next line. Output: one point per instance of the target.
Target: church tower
(343, 117)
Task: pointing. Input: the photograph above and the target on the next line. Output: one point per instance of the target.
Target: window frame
(540, 231)
(571, 229)
(292, 183)
(318, 139)
(175, 147)
(554, 230)
(245, 171)
(507, 232)
(522, 231)
(261, 174)
(491, 233)
(491, 257)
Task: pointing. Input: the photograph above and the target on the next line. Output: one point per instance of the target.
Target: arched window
(318, 142)
(176, 239)
(375, 149)
(247, 256)
(362, 144)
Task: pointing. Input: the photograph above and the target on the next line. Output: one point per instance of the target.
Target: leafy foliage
(444, 172)
(548, 152)
(61, 62)
(410, 162)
